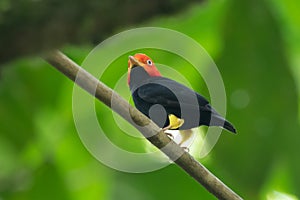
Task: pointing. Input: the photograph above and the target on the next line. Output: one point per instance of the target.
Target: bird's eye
(149, 62)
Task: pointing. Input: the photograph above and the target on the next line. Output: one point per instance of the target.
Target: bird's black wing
(175, 97)
(166, 92)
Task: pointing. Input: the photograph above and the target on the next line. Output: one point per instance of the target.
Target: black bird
(168, 103)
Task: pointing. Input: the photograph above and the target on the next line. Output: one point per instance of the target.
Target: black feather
(157, 97)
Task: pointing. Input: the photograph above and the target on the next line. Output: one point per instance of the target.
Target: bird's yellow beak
(134, 62)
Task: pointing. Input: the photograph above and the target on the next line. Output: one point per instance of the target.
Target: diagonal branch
(150, 130)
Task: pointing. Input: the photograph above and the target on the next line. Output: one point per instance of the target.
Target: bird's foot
(170, 135)
(175, 122)
(186, 149)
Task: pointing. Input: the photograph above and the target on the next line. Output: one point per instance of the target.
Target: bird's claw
(170, 136)
(186, 149)
(166, 128)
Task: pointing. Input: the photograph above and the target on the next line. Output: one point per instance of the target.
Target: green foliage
(255, 46)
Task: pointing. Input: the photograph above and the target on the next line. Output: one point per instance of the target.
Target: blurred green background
(255, 45)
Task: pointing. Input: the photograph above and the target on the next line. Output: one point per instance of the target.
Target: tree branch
(150, 130)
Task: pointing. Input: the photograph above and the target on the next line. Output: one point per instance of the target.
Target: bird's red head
(144, 61)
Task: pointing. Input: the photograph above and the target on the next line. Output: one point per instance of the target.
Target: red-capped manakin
(168, 103)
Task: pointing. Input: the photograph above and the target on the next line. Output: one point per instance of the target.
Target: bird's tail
(217, 120)
(227, 125)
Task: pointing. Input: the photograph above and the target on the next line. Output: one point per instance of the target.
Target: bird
(168, 103)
